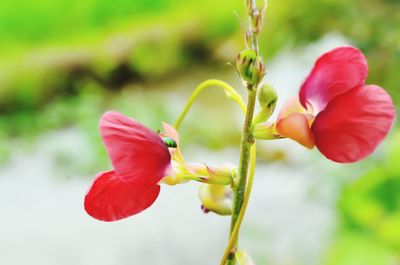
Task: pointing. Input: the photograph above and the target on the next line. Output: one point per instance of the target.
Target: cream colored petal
(292, 105)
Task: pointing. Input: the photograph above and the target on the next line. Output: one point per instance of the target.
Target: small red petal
(110, 199)
(139, 156)
(353, 124)
(334, 73)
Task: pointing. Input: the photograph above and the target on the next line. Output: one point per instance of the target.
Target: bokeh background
(63, 63)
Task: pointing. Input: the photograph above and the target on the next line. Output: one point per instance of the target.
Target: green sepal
(265, 131)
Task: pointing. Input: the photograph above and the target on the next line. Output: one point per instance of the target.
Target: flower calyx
(265, 131)
(184, 172)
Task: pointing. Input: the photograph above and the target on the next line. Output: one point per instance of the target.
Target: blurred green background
(63, 63)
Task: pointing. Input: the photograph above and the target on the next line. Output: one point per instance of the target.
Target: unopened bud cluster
(251, 67)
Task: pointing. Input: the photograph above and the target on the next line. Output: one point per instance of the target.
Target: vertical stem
(234, 234)
(241, 191)
(246, 143)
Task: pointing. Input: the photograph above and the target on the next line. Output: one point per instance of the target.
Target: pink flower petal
(110, 199)
(353, 124)
(139, 156)
(334, 73)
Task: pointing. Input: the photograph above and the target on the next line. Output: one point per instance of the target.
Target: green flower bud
(267, 97)
(250, 67)
(216, 198)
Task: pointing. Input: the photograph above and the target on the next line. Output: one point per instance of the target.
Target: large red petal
(110, 199)
(353, 124)
(334, 73)
(139, 156)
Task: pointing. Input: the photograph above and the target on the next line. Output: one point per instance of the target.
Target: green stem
(230, 92)
(240, 188)
(235, 233)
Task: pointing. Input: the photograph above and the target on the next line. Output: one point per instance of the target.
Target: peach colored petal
(297, 127)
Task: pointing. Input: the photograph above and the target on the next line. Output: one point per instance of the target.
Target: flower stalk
(242, 189)
(234, 235)
(247, 141)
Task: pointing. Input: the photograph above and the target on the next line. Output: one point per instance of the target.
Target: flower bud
(267, 97)
(250, 67)
(216, 198)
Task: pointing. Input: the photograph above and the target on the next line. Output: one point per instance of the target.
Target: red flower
(140, 160)
(336, 111)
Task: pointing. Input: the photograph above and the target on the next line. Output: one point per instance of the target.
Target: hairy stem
(230, 92)
(240, 188)
(234, 235)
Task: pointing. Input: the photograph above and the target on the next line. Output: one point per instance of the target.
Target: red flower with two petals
(336, 111)
(140, 160)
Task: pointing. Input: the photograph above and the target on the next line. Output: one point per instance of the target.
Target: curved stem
(230, 92)
(235, 232)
